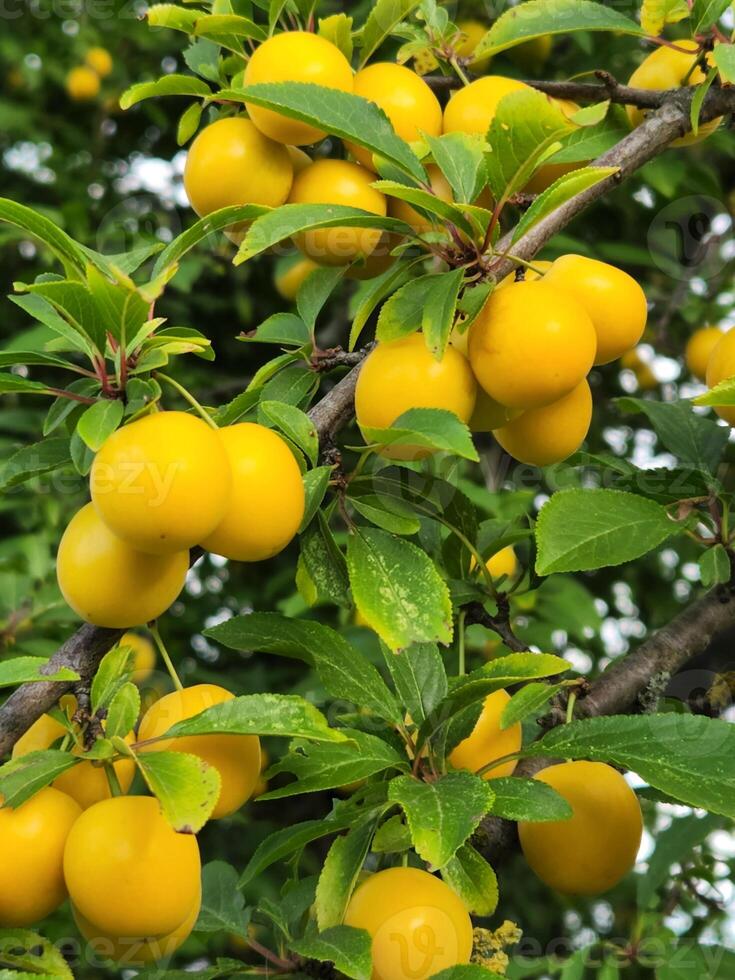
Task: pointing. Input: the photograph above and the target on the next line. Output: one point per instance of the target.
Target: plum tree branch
(83, 651)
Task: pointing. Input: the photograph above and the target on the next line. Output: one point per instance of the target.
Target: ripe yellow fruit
(82, 84)
(32, 840)
(720, 367)
(471, 109)
(540, 268)
(145, 656)
(646, 378)
(666, 68)
(699, 348)
(107, 582)
(288, 280)
(531, 344)
(418, 925)
(266, 505)
(162, 483)
(404, 374)
(232, 162)
(546, 435)
(99, 60)
(503, 562)
(379, 260)
(85, 783)
(615, 302)
(295, 56)
(488, 740)
(593, 850)
(128, 871)
(235, 757)
(133, 951)
(404, 97)
(345, 183)
(473, 31)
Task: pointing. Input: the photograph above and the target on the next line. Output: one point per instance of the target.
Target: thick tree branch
(632, 682)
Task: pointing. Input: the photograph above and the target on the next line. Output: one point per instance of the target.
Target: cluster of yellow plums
(161, 485)
(528, 353)
(83, 82)
(134, 884)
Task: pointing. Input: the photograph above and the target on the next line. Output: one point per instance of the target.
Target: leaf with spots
(398, 589)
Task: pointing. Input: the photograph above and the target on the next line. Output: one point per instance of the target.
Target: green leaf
(349, 950)
(419, 677)
(724, 57)
(215, 25)
(340, 113)
(275, 226)
(527, 701)
(168, 85)
(391, 514)
(21, 778)
(344, 672)
(123, 712)
(316, 482)
(461, 159)
(34, 460)
(114, 671)
(655, 14)
(578, 530)
(440, 310)
(29, 670)
(469, 972)
(65, 248)
(441, 815)
(12, 358)
(189, 123)
(338, 30)
(706, 13)
(473, 879)
(373, 292)
(397, 589)
(325, 564)
(283, 843)
(314, 291)
(99, 421)
(14, 384)
(426, 201)
(260, 714)
(538, 17)
(699, 773)
(403, 312)
(319, 767)
(201, 230)
(240, 406)
(392, 837)
(426, 428)
(295, 424)
(223, 906)
(525, 127)
(384, 17)
(499, 673)
(173, 17)
(561, 191)
(692, 438)
(339, 874)
(186, 787)
(673, 846)
(696, 961)
(714, 566)
(77, 305)
(700, 93)
(528, 799)
(34, 955)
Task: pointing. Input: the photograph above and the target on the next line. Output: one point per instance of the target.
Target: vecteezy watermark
(68, 10)
(686, 238)
(134, 478)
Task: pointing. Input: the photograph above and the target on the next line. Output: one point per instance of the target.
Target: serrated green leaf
(33, 955)
(441, 815)
(339, 874)
(426, 428)
(440, 310)
(578, 530)
(21, 778)
(28, 670)
(295, 424)
(201, 230)
(34, 460)
(168, 85)
(384, 17)
(528, 700)
(99, 421)
(561, 191)
(65, 248)
(348, 950)
(714, 566)
(397, 589)
(185, 785)
(528, 799)
(223, 906)
(473, 879)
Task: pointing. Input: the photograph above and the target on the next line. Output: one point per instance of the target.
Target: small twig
(499, 623)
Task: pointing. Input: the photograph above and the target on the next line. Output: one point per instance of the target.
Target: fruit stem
(189, 397)
(458, 68)
(570, 707)
(153, 628)
(499, 762)
(113, 781)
